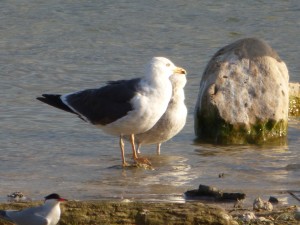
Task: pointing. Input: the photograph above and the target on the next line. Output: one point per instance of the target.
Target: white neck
(52, 210)
(178, 94)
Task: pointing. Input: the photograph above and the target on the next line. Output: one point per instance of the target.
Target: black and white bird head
(54, 199)
(160, 67)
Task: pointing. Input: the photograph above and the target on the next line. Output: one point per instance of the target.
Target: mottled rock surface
(149, 213)
(244, 95)
(109, 213)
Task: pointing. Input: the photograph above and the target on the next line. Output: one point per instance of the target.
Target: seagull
(123, 107)
(171, 122)
(46, 214)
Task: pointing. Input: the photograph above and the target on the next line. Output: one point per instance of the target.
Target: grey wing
(28, 217)
(34, 219)
(40, 220)
(106, 104)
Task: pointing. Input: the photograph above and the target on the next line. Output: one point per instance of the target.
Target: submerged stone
(244, 95)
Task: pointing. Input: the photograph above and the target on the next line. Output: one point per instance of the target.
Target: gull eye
(168, 64)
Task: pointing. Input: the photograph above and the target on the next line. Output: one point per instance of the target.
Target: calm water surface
(64, 46)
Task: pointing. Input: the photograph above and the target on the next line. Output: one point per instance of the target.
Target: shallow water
(59, 47)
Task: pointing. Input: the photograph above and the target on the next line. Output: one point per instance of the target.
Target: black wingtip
(40, 98)
(43, 99)
(55, 101)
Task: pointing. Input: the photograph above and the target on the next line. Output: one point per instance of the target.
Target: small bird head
(55, 197)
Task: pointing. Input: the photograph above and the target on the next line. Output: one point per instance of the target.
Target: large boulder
(244, 95)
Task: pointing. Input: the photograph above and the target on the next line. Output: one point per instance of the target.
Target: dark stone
(209, 192)
(273, 200)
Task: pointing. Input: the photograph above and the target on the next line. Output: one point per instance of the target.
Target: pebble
(248, 216)
(259, 204)
(273, 200)
(264, 220)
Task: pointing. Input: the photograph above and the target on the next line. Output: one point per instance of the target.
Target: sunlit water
(58, 47)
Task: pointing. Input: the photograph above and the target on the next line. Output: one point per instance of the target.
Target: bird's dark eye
(168, 64)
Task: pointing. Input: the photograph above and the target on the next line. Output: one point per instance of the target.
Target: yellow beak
(179, 70)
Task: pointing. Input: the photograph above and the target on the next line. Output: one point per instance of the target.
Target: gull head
(160, 67)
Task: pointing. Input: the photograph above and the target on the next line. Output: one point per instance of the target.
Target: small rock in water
(139, 165)
(17, 197)
(273, 200)
(205, 191)
(221, 175)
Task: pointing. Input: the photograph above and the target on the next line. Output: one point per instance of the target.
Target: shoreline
(154, 213)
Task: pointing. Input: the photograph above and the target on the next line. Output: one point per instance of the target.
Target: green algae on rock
(225, 133)
(244, 95)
